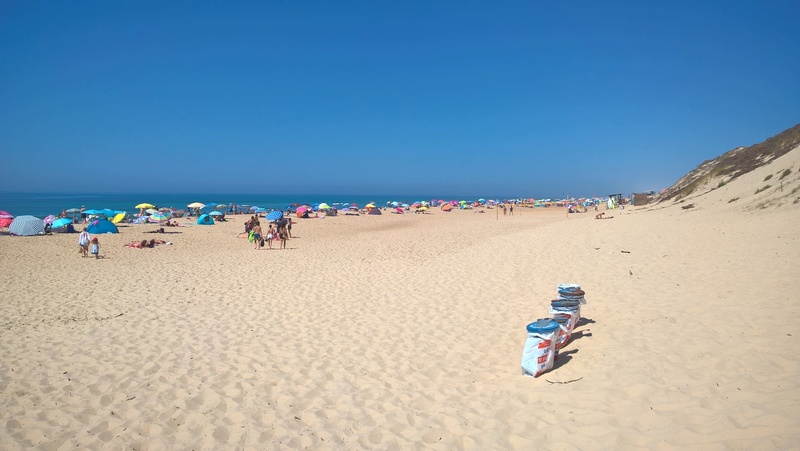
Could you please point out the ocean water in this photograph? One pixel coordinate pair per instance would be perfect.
(43, 204)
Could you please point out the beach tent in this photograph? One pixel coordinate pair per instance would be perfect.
(374, 211)
(205, 220)
(99, 226)
(26, 226)
(447, 207)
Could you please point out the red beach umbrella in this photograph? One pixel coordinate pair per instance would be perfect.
(6, 218)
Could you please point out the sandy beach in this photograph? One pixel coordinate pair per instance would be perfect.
(406, 331)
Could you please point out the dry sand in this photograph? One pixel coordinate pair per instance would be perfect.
(406, 331)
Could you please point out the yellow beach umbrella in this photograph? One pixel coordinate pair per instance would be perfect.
(145, 205)
(369, 205)
(119, 217)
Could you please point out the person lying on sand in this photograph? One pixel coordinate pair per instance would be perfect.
(144, 243)
(602, 216)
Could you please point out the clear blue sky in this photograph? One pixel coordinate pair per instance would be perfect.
(488, 98)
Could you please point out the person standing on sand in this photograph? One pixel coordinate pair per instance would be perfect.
(270, 236)
(289, 227)
(284, 236)
(257, 235)
(511, 210)
(95, 247)
(83, 242)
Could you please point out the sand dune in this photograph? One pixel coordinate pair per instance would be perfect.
(406, 331)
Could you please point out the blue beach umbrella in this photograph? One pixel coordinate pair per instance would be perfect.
(274, 215)
(61, 222)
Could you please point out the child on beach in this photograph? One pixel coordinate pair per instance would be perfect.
(95, 247)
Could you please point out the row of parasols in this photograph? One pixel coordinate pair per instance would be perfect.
(27, 225)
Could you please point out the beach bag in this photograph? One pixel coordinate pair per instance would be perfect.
(571, 292)
(568, 309)
(564, 334)
(261, 243)
(540, 347)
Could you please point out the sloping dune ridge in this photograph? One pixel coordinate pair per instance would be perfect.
(406, 331)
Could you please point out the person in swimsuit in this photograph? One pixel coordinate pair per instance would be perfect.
(270, 236)
(257, 235)
(284, 236)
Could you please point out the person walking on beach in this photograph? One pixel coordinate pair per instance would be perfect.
(283, 235)
(83, 242)
(511, 210)
(289, 227)
(95, 247)
(257, 235)
(270, 236)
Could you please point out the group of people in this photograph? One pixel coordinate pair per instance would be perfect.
(84, 241)
(281, 230)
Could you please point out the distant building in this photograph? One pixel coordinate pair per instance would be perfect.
(638, 199)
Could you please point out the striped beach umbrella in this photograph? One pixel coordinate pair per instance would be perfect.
(159, 216)
(274, 215)
(26, 226)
